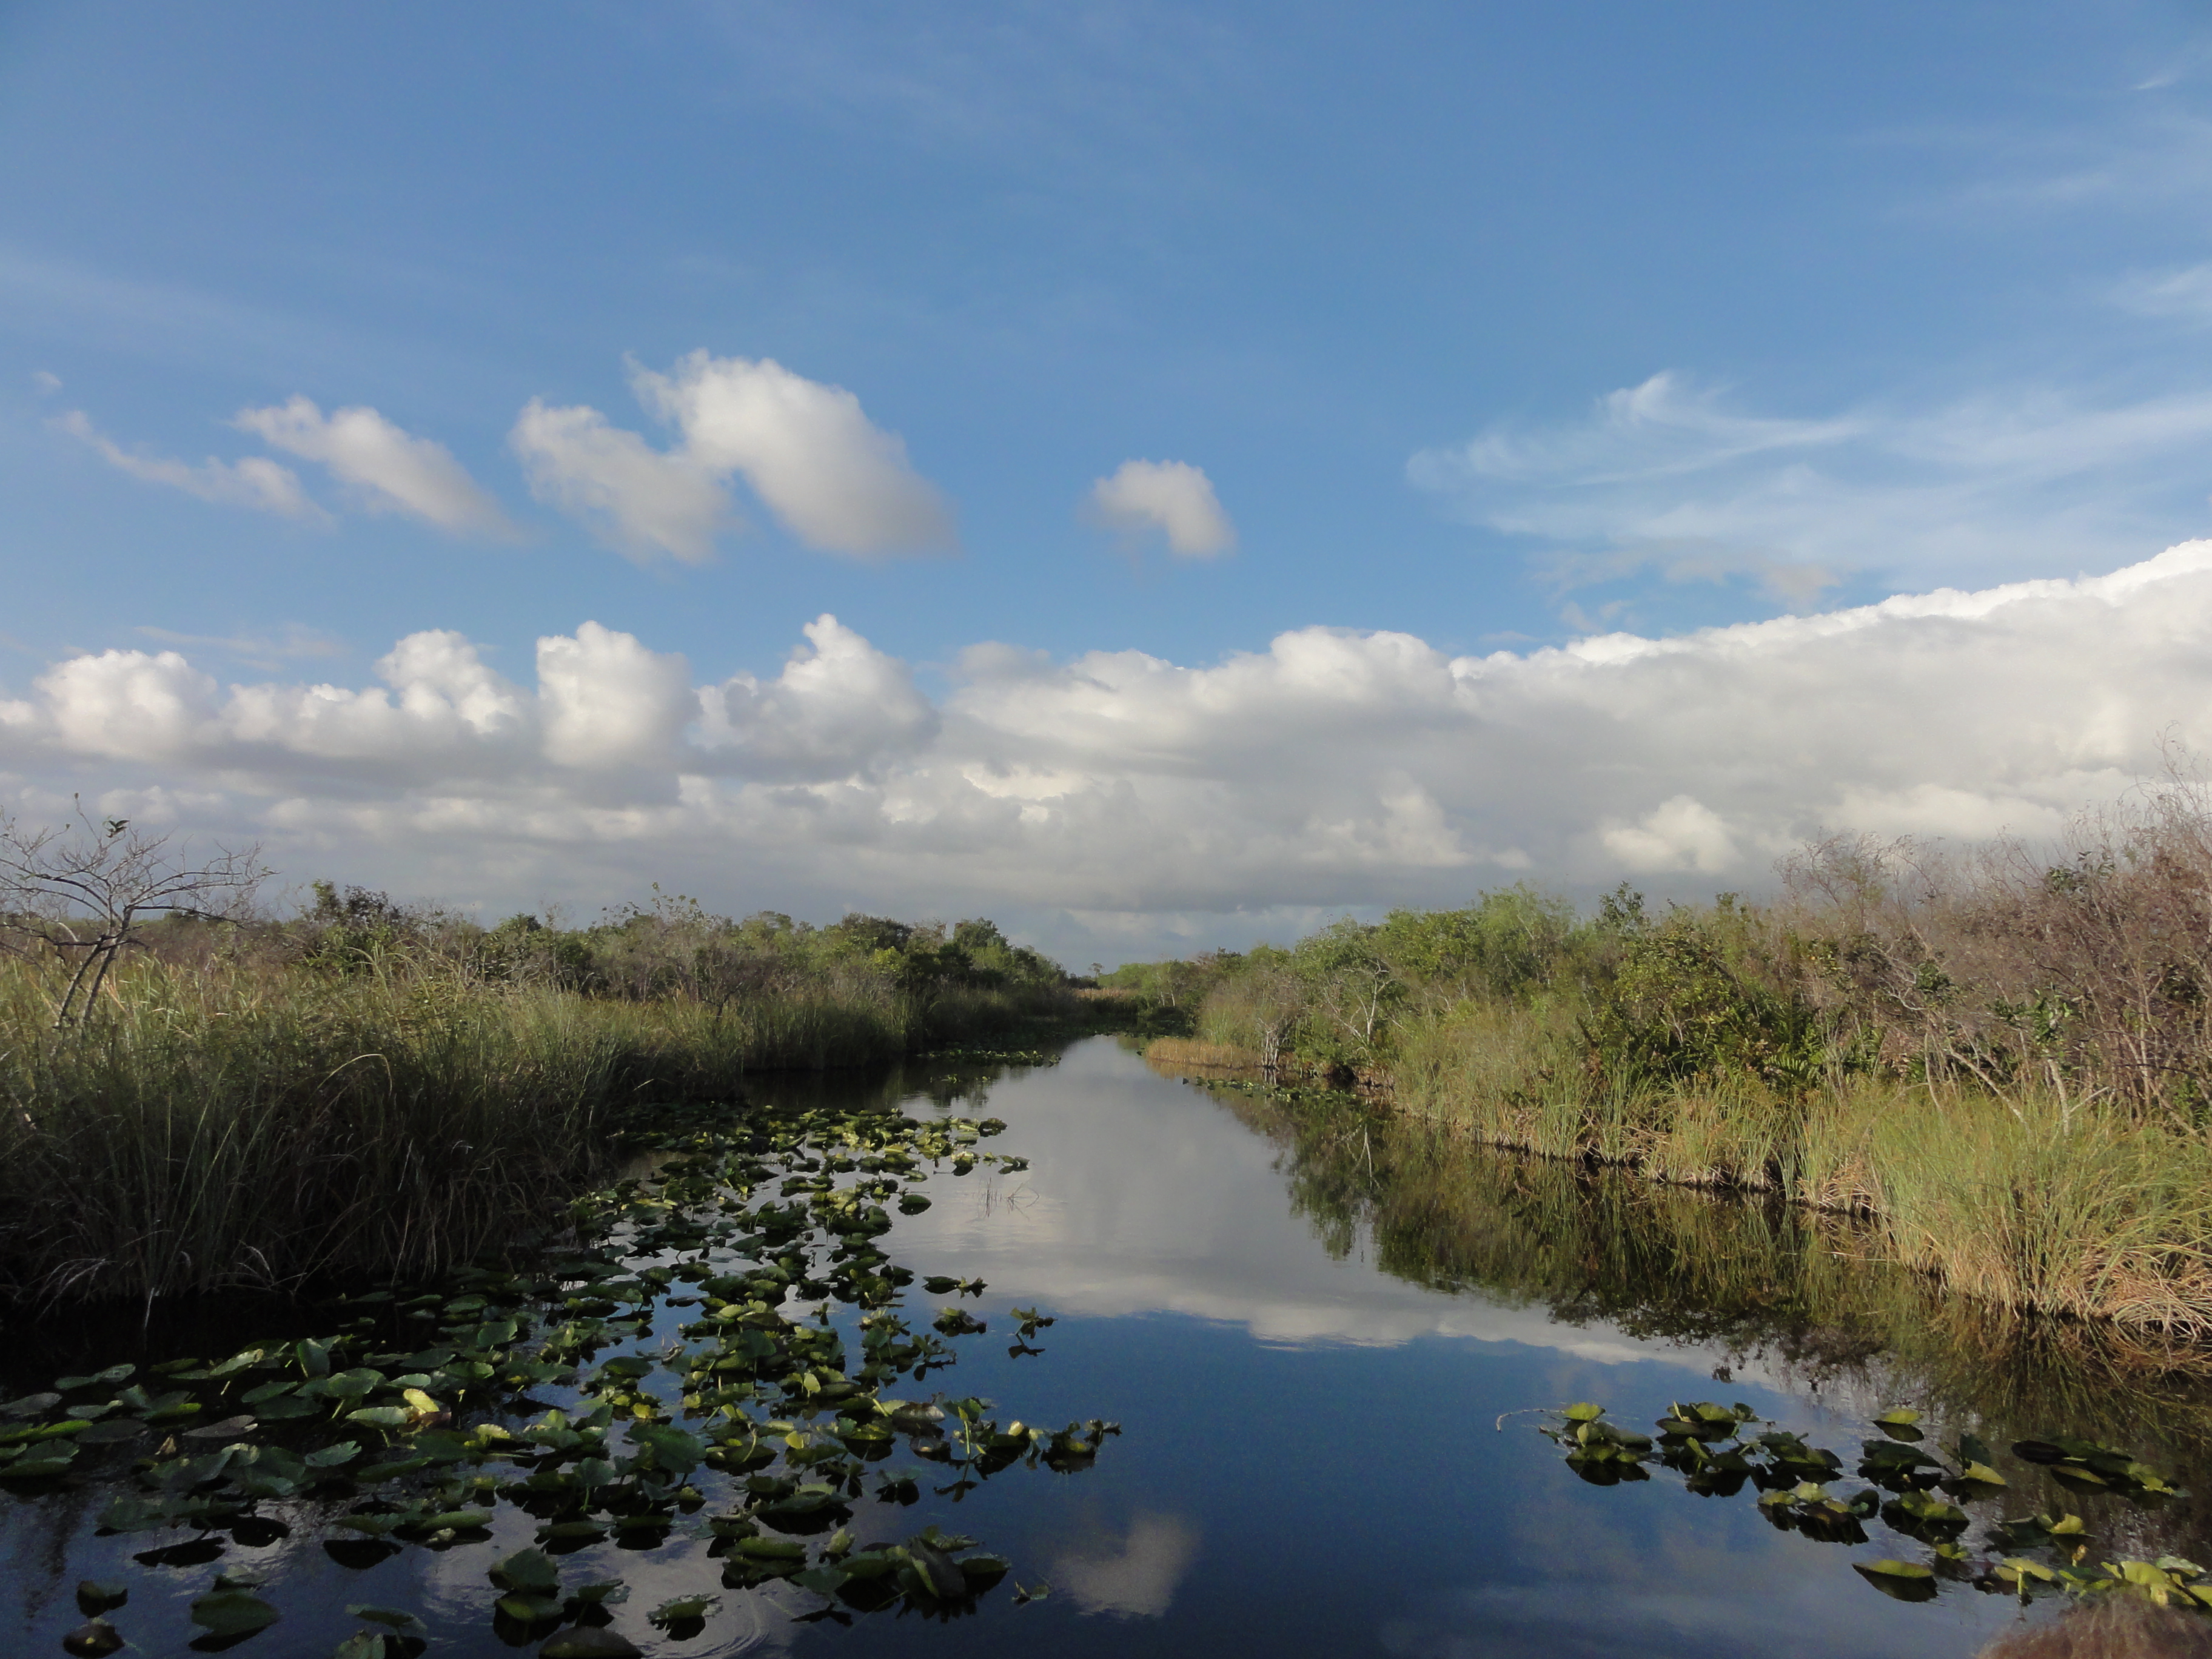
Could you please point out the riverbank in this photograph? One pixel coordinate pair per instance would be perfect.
(2034, 1203)
(2000, 1057)
(339, 1102)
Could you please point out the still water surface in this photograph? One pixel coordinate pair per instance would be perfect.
(1308, 1332)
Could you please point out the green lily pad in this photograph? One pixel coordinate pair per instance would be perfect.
(232, 1613)
(94, 1640)
(98, 1595)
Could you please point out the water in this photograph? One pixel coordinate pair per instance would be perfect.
(1309, 1325)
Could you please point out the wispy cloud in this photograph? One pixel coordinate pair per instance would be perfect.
(294, 642)
(386, 469)
(254, 482)
(1679, 478)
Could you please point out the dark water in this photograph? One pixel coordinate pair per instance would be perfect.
(1308, 1326)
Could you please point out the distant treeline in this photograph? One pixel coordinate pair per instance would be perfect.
(672, 946)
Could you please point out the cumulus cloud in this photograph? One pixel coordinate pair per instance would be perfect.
(839, 707)
(388, 470)
(1172, 497)
(1673, 477)
(608, 701)
(254, 482)
(635, 498)
(836, 479)
(1126, 803)
(1679, 834)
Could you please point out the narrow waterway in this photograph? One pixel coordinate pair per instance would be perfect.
(1308, 1326)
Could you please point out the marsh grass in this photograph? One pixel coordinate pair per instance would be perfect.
(1817, 1299)
(221, 1125)
(2035, 1202)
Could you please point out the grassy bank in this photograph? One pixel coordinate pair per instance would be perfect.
(368, 1089)
(2001, 1062)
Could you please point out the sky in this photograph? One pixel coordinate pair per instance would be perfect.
(1160, 477)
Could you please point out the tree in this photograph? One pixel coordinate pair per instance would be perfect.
(83, 890)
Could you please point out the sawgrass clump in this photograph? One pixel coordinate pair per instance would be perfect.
(370, 1089)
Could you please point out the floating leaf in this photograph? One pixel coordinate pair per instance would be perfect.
(589, 1642)
(1906, 1581)
(398, 1619)
(382, 1417)
(94, 1640)
(231, 1428)
(530, 1571)
(232, 1613)
(96, 1595)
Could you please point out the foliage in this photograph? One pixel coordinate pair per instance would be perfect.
(414, 1421)
(374, 1086)
(83, 893)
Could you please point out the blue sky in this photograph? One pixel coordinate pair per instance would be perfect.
(1499, 328)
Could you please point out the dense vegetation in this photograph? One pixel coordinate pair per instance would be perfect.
(376, 1087)
(2004, 1060)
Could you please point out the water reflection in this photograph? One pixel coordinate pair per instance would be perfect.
(1135, 1576)
(1308, 1320)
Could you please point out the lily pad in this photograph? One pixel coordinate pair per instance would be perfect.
(232, 1613)
(1905, 1580)
(98, 1595)
(94, 1640)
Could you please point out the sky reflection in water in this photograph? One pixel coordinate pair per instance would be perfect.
(1309, 1464)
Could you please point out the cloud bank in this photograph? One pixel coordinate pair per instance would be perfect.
(1125, 803)
(1172, 497)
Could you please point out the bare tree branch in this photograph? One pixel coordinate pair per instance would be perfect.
(82, 890)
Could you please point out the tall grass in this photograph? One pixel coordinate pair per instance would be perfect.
(1818, 1296)
(225, 1124)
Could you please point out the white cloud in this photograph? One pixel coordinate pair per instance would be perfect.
(837, 708)
(1134, 1577)
(254, 482)
(45, 379)
(1679, 834)
(609, 701)
(1124, 803)
(389, 470)
(1667, 476)
(634, 497)
(1172, 497)
(836, 480)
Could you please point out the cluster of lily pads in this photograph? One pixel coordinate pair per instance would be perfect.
(1284, 1093)
(1720, 1450)
(1026, 1057)
(757, 1428)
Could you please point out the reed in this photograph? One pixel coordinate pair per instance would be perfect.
(227, 1124)
(2034, 1201)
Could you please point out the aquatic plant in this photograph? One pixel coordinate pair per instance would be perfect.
(542, 1386)
(1721, 1450)
(252, 1120)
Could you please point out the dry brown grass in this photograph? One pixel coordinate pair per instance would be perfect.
(1197, 1055)
(2112, 1628)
